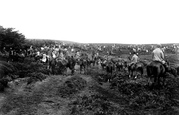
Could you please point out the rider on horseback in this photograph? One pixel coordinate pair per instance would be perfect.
(158, 54)
(158, 67)
(134, 58)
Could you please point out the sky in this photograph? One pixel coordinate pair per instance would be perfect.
(94, 21)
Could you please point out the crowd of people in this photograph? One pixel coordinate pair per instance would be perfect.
(45, 52)
(86, 55)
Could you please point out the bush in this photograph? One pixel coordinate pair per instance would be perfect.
(6, 68)
(98, 75)
(71, 86)
(95, 104)
(36, 76)
(144, 97)
(26, 68)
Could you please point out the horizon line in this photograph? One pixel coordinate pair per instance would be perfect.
(98, 42)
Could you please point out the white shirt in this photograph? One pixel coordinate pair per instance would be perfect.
(53, 54)
(134, 59)
(44, 59)
(158, 55)
(38, 53)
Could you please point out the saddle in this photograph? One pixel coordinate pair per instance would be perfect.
(165, 64)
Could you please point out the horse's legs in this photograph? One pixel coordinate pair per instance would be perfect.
(159, 78)
(129, 73)
(139, 72)
(85, 69)
(53, 70)
(163, 80)
(80, 68)
(142, 72)
(135, 72)
(132, 74)
(155, 79)
(111, 75)
(66, 71)
(72, 71)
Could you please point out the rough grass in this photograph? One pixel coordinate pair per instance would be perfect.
(71, 86)
(79, 95)
(141, 97)
(43, 92)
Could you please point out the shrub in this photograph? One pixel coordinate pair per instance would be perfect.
(36, 76)
(71, 86)
(95, 104)
(6, 68)
(26, 68)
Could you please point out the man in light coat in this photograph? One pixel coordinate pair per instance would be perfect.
(157, 54)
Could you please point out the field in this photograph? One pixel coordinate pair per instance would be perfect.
(90, 94)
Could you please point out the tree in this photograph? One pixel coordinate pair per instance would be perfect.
(11, 38)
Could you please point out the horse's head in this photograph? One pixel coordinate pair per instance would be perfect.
(143, 63)
(167, 65)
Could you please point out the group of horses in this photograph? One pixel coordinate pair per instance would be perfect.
(60, 65)
(155, 70)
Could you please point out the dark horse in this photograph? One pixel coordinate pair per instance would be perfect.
(110, 67)
(157, 70)
(62, 65)
(136, 69)
(71, 64)
(119, 66)
(83, 63)
(52, 65)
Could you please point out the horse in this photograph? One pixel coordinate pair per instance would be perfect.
(52, 65)
(119, 66)
(136, 69)
(93, 61)
(103, 64)
(38, 58)
(71, 64)
(173, 71)
(110, 66)
(21, 57)
(61, 65)
(83, 65)
(157, 70)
